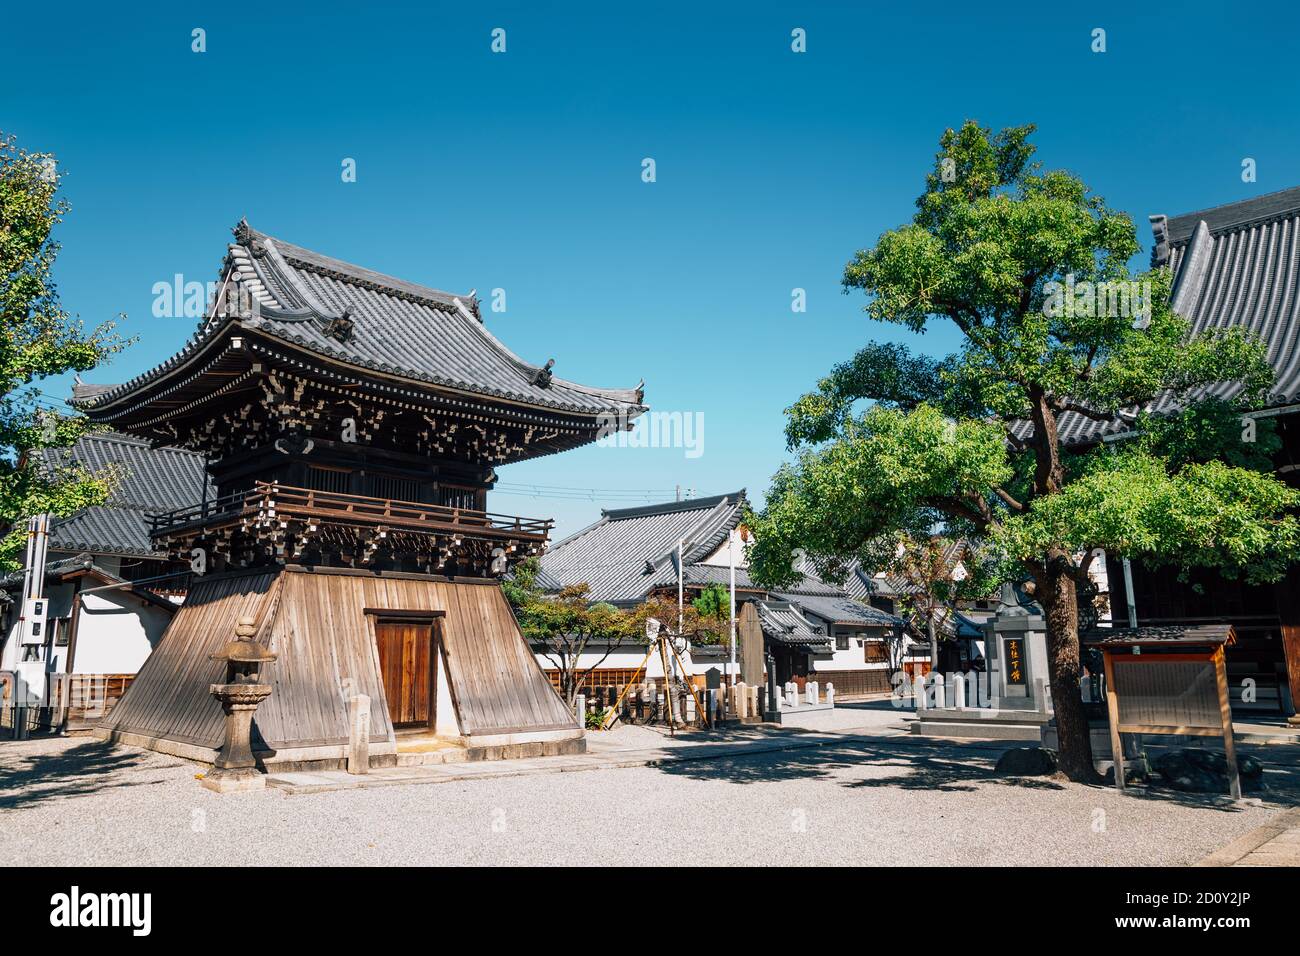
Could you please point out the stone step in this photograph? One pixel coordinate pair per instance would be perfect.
(428, 758)
(977, 729)
(983, 715)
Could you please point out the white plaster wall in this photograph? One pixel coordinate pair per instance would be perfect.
(116, 633)
(720, 559)
(31, 675)
(1100, 577)
(632, 657)
(629, 657)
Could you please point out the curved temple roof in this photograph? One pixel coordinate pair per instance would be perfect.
(1234, 266)
(372, 321)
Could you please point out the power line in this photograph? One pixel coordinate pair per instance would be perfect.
(545, 487)
(566, 493)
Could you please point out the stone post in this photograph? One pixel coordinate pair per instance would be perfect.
(958, 692)
(830, 695)
(359, 734)
(773, 702)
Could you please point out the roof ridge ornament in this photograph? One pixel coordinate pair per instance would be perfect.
(340, 326)
(543, 376)
(1160, 231)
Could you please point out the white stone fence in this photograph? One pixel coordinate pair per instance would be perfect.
(646, 703)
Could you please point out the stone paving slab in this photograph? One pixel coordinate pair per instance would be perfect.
(1276, 843)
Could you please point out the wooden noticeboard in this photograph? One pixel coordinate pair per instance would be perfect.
(1179, 689)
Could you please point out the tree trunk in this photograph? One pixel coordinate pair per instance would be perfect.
(1056, 594)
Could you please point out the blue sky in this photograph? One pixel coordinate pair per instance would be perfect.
(522, 170)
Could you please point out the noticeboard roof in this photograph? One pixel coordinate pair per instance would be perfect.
(1168, 635)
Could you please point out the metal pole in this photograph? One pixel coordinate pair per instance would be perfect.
(1128, 594)
(934, 641)
(731, 558)
(680, 572)
(771, 687)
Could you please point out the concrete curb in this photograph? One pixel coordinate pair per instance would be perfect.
(1241, 847)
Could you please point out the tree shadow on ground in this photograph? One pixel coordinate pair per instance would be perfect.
(27, 779)
(928, 764)
(920, 765)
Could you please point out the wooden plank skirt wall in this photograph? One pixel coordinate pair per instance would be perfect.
(850, 683)
(317, 624)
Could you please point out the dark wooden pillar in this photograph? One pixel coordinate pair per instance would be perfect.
(1288, 611)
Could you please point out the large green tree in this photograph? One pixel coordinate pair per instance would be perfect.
(37, 339)
(1024, 264)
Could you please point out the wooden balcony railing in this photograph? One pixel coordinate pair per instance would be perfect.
(271, 500)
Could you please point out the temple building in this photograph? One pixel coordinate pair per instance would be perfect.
(351, 425)
(1232, 266)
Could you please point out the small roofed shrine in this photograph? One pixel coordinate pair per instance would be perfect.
(352, 424)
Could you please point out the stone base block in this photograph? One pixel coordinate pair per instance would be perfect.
(233, 781)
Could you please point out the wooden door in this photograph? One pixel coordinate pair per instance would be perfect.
(407, 656)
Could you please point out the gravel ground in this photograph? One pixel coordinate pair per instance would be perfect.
(876, 717)
(888, 800)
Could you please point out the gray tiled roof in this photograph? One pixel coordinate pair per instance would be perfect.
(54, 570)
(782, 622)
(842, 610)
(1234, 266)
(863, 584)
(400, 328)
(1167, 634)
(150, 480)
(630, 551)
(705, 574)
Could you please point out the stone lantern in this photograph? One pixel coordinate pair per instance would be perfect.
(235, 768)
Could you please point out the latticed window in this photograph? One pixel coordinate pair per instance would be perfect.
(458, 496)
(875, 652)
(327, 479)
(393, 487)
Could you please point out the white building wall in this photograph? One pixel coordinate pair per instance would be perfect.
(719, 558)
(116, 633)
(631, 658)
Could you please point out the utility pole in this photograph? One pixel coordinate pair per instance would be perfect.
(680, 595)
(731, 561)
